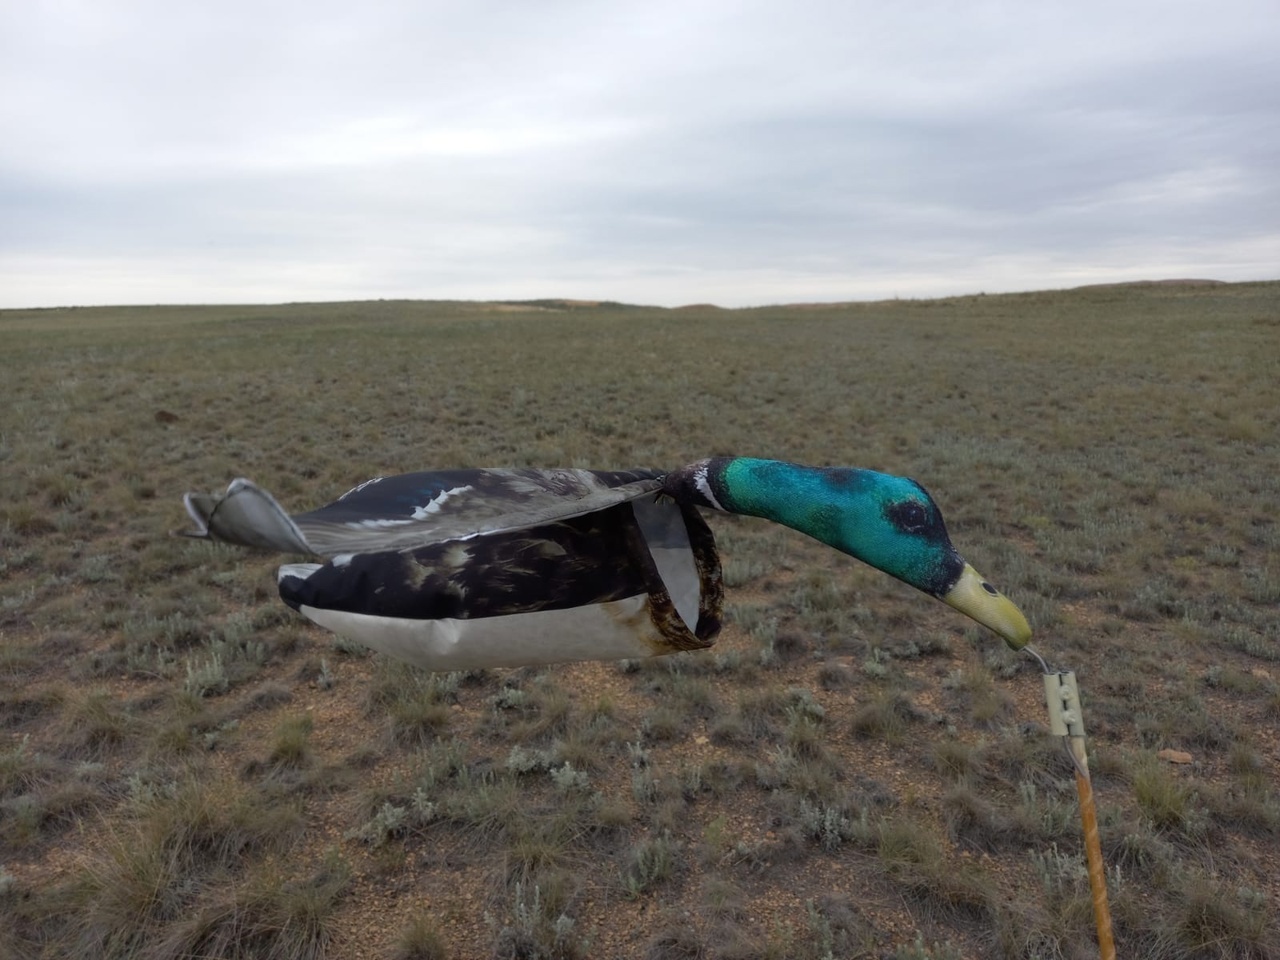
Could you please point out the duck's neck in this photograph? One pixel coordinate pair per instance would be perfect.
(818, 501)
(859, 512)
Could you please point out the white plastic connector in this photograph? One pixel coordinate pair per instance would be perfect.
(1063, 698)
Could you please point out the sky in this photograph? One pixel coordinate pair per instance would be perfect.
(666, 153)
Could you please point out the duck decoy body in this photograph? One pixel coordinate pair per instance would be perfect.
(461, 569)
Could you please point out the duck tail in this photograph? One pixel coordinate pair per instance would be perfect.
(246, 515)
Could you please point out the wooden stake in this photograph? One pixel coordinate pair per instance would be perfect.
(1093, 851)
(1066, 720)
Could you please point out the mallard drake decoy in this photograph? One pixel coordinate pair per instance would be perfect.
(460, 569)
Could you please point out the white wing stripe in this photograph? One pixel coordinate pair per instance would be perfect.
(422, 513)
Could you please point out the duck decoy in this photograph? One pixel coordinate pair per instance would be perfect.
(462, 569)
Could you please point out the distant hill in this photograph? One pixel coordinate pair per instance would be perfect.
(1154, 283)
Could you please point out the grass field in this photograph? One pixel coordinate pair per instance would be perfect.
(188, 769)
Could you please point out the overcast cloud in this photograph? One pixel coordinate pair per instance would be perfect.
(657, 152)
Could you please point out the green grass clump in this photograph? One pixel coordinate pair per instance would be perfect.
(162, 877)
(652, 861)
(292, 747)
(887, 716)
(420, 940)
(1166, 801)
(416, 705)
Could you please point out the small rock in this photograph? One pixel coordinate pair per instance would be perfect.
(1174, 756)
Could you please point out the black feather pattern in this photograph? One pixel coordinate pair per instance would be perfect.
(589, 559)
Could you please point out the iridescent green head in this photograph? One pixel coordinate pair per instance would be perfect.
(889, 522)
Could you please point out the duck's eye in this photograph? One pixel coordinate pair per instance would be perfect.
(910, 517)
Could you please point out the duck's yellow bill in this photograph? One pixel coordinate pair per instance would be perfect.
(975, 597)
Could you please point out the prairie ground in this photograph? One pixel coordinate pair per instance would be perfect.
(188, 769)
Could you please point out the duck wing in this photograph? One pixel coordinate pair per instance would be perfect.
(413, 509)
